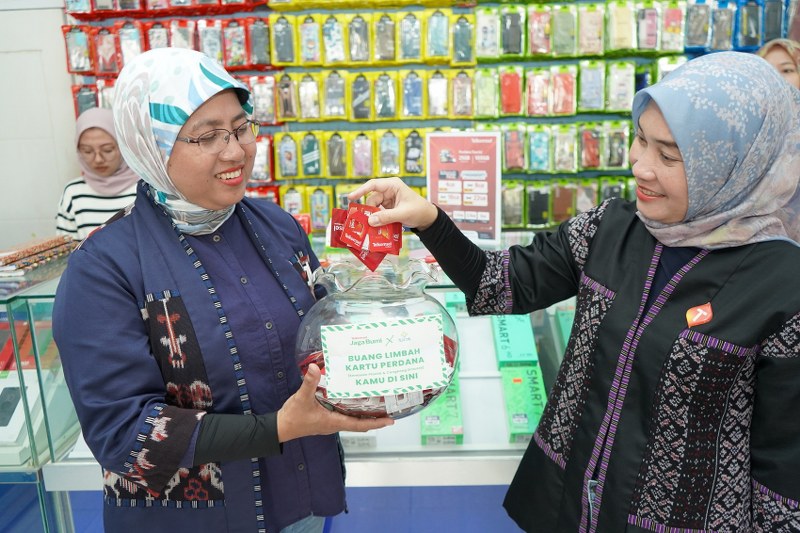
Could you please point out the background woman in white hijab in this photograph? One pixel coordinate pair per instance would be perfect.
(675, 407)
(106, 184)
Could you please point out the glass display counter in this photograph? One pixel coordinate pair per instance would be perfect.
(37, 421)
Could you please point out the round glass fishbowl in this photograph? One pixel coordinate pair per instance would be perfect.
(384, 346)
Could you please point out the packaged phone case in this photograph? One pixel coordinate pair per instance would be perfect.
(487, 33)
(333, 96)
(463, 39)
(293, 199)
(388, 153)
(461, 96)
(749, 34)
(538, 200)
(620, 26)
(258, 39)
(672, 37)
(385, 31)
(335, 154)
(513, 136)
(360, 97)
(310, 32)
(486, 93)
(611, 188)
(512, 207)
(287, 98)
(412, 91)
(591, 86)
(511, 82)
(722, 20)
(287, 156)
(512, 31)
(320, 203)
(308, 94)
(617, 142)
(131, 39)
(182, 33)
(620, 86)
(358, 38)
(156, 35)
(564, 89)
(363, 156)
(565, 148)
(437, 95)
(106, 51)
(591, 26)
(105, 92)
(311, 155)
(590, 135)
(79, 57)
(262, 166)
(333, 40)
(437, 36)
(774, 17)
(385, 98)
(563, 200)
(413, 153)
(234, 39)
(564, 31)
(537, 92)
(665, 65)
(539, 153)
(84, 97)
(410, 37)
(587, 192)
(282, 28)
(263, 88)
(539, 27)
(698, 25)
(209, 34)
(647, 26)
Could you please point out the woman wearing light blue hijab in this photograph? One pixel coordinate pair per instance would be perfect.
(675, 407)
(176, 325)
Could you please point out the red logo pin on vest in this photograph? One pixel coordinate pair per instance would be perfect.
(701, 314)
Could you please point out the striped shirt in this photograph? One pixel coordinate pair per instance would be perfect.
(82, 209)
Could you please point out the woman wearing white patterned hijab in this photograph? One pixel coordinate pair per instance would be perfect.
(149, 113)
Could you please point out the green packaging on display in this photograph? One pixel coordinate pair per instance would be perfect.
(513, 340)
(525, 398)
(441, 422)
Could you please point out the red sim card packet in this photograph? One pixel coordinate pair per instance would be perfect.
(350, 229)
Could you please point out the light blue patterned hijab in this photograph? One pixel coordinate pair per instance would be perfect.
(737, 125)
(154, 96)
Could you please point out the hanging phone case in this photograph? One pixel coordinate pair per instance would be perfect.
(320, 206)
(264, 100)
(414, 153)
(410, 38)
(511, 33)
(310, 46)
(384, 39)
(284, 40)
(336, 150)
(287, 156)
(437, 95)
(259, 43)
(539, 151)
(130, 42)
(462, 95)
(333, 40)
(235, 49)
(78, 55)
(412, 95)
(514, 150)
(308, 92)
(362, 156)
(438, 35)
(359, 39)
(385, 97)
(106, 48)
(334, 95)
(462, 41)
(389, 154)
(360, 97)
(310, 155)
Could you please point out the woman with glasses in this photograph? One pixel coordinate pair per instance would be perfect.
(106, 184)
(181, 360)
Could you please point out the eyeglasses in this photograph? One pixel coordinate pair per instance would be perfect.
(215, 141)
(104, 153)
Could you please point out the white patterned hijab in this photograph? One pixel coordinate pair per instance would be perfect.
(155, 94)
(737, 125)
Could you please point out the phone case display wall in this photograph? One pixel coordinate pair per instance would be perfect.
(347, 91)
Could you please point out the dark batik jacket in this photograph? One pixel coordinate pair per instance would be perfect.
(150, 342)
(678, 415)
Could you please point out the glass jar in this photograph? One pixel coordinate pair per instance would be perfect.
(384, 346)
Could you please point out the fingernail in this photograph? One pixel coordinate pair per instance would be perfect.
(373, 219)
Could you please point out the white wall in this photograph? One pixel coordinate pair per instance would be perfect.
(37, 120)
